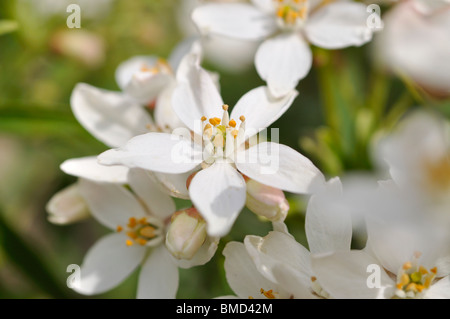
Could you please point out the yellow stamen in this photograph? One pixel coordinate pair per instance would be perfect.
(407, 265)
(203, 118)
(132, 235)
(404, 280)
(141, 241)
(234, 133)
(434, 270)
(420, 288)
(119, 228)
(132, 222)
(215, 121)
(411, 287)
(399, 286)
(423, 270)
(148, 232)
(242, 118)
(313, 279)
(232, 123)
(225, 107)
(268, 294)
(218, 140)
(129, 242)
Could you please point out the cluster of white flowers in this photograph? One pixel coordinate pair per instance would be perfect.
(172, 135)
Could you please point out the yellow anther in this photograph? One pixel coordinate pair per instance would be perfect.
(280, 12)
(129, 242)
(203, 118)
(119, 229)
(148, 232)
(423, 270)
(420, 288)
(313, 279)
(268, 294)
(242, 118)
(132, 235)
(428, 281)
(234, 133)
(143, 221)
(141, 241)
(215, 121)
(434, 270)
(132, 222)
(411, 287)
(232, 123)
(225, 107)
(250, 297)
(407, 265)
(399, 286)
(404, 280)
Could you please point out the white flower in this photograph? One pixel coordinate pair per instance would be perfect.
(417, 155)
(277, 266)
(402, 260)
(231, 55)
(415, 43)
(139, 220)
(217, 144)
(284, 58)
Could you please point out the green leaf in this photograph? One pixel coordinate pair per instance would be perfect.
(7, 26)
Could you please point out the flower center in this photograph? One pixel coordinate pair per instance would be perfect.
(438, 173)
(143, 231)
(221, 137)
(161, 66)
(269, 294)
(291, 14)
(413, 280)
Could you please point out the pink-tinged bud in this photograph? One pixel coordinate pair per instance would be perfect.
(67, 206)
(266, 201)
(186, 233)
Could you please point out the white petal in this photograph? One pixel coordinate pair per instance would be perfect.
(401, 45)
(241, 273)
(339, 25)
(289, 279)
(261, 109)
(196, 97)
(236, 20)
(126, 70)
(159, 276)
(218, 193)
(202, 256)
(173, 184)
(188, 46)
(165, 117)
(328, 225)
(281, 167)
(112, 205)
(283, 61)
(266, 253)
(346, 275)
(111, 117)
(108, 263)
(161, 152)
(145, 86)
(440, 289)
(158, 203)
(67, 206)
(265, 5)
(89, 168)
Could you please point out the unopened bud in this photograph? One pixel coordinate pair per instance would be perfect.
(266, 201)
(67, 206)
(186, 234)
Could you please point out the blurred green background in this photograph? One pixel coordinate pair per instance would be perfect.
(343, 102)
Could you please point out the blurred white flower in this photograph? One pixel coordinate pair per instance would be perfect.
(217, 145)
(415, 43)
(417, 155)
(402, 260)
(231, 55)
(139, 219)
(276, 266)
(287, 27)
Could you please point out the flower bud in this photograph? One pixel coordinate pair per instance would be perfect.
(266, 201)
(186, 233)
(67, 206)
